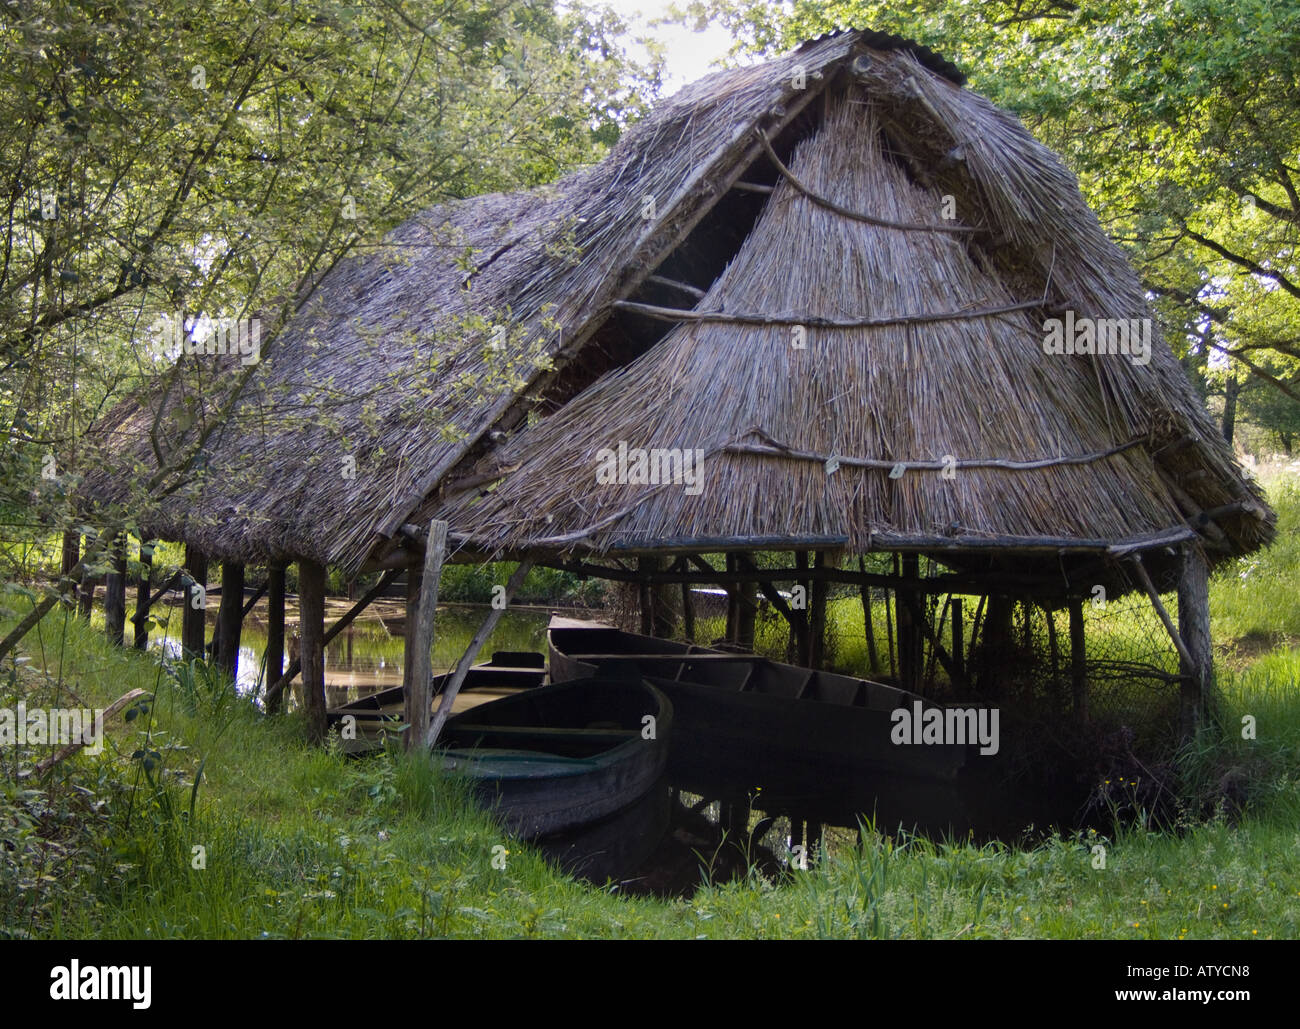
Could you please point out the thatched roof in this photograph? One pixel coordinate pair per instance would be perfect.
(477, 363)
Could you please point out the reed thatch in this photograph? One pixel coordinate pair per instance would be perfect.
(477, 361)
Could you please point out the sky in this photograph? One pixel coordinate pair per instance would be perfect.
(689, 54)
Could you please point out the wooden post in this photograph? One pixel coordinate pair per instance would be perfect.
(688, 613)
(908, 633)
(275, 634)
(1194, 628)
(454, 681)
(746, 608)
(311, 629)
(86, 591)
(194, 619)
(868, 626)
(958, 638)
(115, 595)
(995, 646)
(803, 637)
(230, 617)
(732, 630)
(412, 614)
(1078, 662)
(142, 599)
(71, 552)
(817, 615)
(419, 695)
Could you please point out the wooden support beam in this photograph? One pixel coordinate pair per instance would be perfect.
(419, 692)
(817, 598)
(142, 598)
(1078, 662)
(194, 616)
(1197, 650)
(868, 624)
(921, 625)
(958, 638)
(457, 678)
(115, 594)
(71, 550)
(311, 631)
(274, 635)
(684, 287)
(230, 619)
(296, 666)
(688, 612)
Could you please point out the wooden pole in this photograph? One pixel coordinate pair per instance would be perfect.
(419, 691)
(194, 618)
(86, 591)
(1197, 666)
(71, 551)
(311, 629)
(295, 666)
(746, 609)
(732, 631)
(817, 615)
(275, 634)
(230, 617)
(452, 687)
(115, 595)
(142, 598)
(958, 639)
(688, 613)
(868, 626)
(1078, 662)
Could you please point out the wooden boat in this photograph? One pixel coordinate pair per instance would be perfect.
(376, 714)
(755, 716)
(551, 759)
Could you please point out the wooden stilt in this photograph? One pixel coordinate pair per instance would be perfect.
(71, 552)
(419, 691)
(311, 629)
(1197, 666)
(194, 618)
(817, 615)
(230, 616)
(457, 677)
(142, 598)
(958, 639)
(274, 633)
(868, 626)
(115, 595)
(86, 589)
(688, 613)
(1078, 662)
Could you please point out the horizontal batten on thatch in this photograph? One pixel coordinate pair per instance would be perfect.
(672, 314)
(775, 448)
(869, 219)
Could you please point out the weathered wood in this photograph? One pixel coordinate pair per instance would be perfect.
(684, 287)
(868, 625)
(230, 617)
(194, 616)
(274, 634)
(674, 314)
(958, 638)
(67, 751)
(71, 550)
(746, 610)
(645, 596)
(1197, 649)
(115, 595)
(311, 631)
(1185, 655)
(457, 678)
(143, 600)
(817, 614)
(1078, 662)
(688, 613)
(296, 666)
(419, 693)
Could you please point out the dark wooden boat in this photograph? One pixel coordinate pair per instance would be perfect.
(551, 759)
(375, 715)
(755, 716)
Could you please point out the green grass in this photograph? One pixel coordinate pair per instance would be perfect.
(298, 842)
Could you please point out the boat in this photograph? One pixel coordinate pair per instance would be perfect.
(748, 715)
(552, 759)
(377, 714)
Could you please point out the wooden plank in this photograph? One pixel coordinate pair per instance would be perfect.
(457, 678)
(419, 690)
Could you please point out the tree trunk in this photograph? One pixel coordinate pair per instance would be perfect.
(115, 595)
(142, 596)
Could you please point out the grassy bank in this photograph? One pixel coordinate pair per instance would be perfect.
(295, 842)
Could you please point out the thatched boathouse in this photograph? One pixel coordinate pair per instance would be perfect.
(841, 303)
